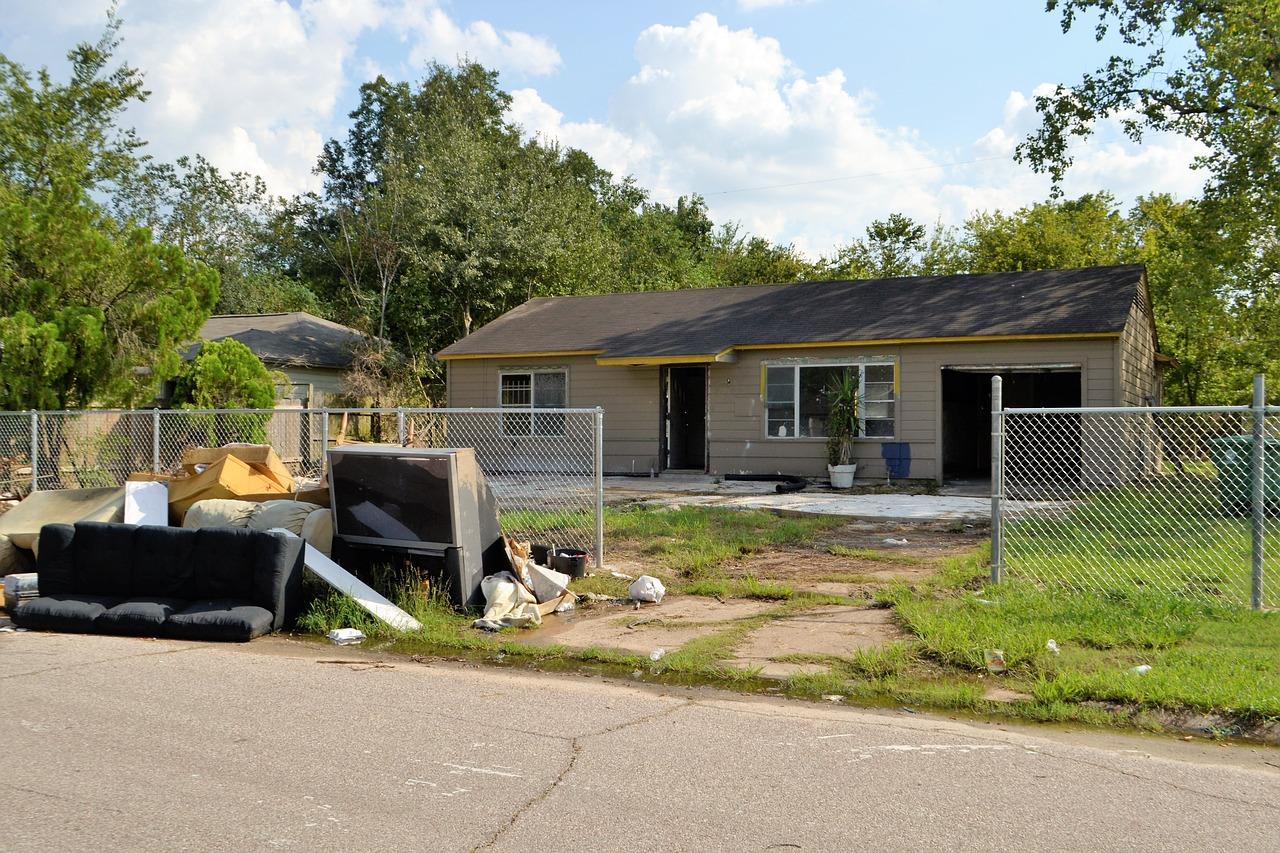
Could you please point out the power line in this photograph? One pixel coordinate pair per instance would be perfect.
(857, 177)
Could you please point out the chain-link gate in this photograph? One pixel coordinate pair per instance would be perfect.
(1182, 501)
(543, 465)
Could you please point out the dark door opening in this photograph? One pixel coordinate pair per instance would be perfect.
(966, 413)
(685, 416)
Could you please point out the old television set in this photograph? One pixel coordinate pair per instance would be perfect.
(433, 503)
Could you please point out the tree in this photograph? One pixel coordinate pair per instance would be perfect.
(897, 246)
(735, 259)
(226, 222)
(1084, 232)
(1222, 91)
(225, 374)
(91, 309)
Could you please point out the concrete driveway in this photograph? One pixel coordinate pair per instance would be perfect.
(123, 744)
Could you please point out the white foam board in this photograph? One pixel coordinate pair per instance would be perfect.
(146, 503)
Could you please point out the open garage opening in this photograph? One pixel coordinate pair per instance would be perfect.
(966, 409)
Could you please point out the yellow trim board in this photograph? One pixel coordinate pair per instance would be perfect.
(665, 359)
(546, 354)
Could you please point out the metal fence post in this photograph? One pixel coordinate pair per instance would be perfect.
(155, 441)
(400, 433)
(324, 441)
(997, 478)
(1259, 471)
(599, 478)
(35, 451)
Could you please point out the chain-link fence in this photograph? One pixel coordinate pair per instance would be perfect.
(1161, 499)
(543, 465)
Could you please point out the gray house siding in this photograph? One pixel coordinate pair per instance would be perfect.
(737, 440)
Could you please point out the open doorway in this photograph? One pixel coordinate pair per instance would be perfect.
(966, 410)
(685, 418)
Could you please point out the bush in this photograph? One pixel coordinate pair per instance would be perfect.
(226, 375)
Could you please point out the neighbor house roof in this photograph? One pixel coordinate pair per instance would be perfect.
(710, 323)
(295, 338)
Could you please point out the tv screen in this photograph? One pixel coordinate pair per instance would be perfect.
(400, 498)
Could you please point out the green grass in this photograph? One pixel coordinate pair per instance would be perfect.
(696, 542)
(874, 556)
(1169, 535)
(1205, 654)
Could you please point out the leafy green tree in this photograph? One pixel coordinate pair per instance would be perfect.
(897, 246)
(224, 221)
(91, 309)
(225, 374)
(1083, 232)
(735, 258)
(1203, 69)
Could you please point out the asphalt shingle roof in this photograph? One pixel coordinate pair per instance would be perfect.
(294, 338)
(704, 322)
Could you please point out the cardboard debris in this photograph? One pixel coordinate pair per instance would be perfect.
(260, 457)
(227, 477)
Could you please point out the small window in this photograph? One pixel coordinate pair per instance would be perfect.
(530, 392)
(796, 398)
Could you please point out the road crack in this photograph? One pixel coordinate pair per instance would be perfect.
(576, 746)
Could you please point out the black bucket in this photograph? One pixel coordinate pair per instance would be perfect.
(571, 561)
(540, 554)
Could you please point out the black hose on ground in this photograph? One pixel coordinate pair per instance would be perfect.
(786, 482)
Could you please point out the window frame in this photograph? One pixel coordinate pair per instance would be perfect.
(531, 408)
(861, 364)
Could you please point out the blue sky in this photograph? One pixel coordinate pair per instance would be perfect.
(772, 97)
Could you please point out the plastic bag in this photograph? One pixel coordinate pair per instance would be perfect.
(647, 588)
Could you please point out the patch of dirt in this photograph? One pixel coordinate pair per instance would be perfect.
(811, 565)
(995, 693)
(833, 630)
(668, 625)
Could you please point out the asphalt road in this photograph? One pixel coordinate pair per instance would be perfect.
(123, 744)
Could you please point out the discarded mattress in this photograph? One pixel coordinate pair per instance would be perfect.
(313, 523)
(20, 526)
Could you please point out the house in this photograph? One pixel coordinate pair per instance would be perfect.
(732, 379)
(312, 352)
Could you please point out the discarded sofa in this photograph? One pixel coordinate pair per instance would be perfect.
(313, 523)
(211, 584)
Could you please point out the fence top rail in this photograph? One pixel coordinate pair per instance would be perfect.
(1138, 410)
(287, 410)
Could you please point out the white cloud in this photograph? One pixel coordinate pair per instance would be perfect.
(712, 109)
(753, 5)
(438, 38)
(256, 85)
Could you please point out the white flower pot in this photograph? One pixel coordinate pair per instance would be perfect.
(842, 475)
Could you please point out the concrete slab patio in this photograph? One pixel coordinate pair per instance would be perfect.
(831, 630)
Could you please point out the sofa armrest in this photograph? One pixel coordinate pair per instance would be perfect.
(277, 577)
(56, 567)
(317, 530)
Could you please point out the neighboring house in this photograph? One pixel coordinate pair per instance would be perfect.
(312, 352)
(732, 379)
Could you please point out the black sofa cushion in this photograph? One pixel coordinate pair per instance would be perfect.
(236, 620)
(57, 565)
(163, 564)
(224, 560)
(63, 612)
(138, 616)
(104, 558)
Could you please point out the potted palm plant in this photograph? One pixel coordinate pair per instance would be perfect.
(842, 429)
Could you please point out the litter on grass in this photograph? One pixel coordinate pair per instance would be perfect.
(657, 654)
(1141, 669)
(1052, 646)
(994, 659)
(346, 636)
(647, 588)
